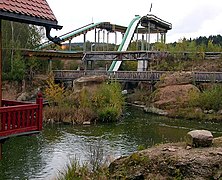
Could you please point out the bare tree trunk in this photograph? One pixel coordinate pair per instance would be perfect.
(12, 50)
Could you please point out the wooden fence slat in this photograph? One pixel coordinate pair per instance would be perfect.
(32, 118)
(23, 119)
(9, 121)
(27, 118)
(13, 120)
(19, 119)
(3, 121)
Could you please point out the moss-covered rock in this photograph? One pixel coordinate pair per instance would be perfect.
(169, 161)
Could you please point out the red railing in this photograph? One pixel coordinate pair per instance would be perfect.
(20, 117)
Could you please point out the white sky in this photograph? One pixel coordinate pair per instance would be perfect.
(189, 18)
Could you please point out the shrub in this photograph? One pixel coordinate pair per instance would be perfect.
(208, 99)
(108, 101)
(105, 103)
(54, 92)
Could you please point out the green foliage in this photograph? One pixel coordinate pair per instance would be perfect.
(129, 66)
(208, 99)
(84, 99)
(73, 65)
(18, 71)
(75, 171)
(142, 95)
(104, 104)
(140, 148)
(160, 46)
(54, 92)
(57, 65)
(15, 36)
(108, 101)
(108, 114)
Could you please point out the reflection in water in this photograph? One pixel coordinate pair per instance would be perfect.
(44, 155)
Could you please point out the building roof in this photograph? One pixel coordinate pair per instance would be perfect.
(35, 12)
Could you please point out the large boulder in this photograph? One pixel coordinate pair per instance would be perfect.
(88, 81)
(169, 97)
(176, 78)
(173, 90)
(199, 138)
(169, 161)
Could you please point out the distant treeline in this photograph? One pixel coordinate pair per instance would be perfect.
(215, 40)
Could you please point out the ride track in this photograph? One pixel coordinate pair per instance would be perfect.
(149, 23)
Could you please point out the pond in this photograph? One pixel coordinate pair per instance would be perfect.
(43, 156)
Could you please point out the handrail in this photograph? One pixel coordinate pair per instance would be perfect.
(20, 117)
(135, 75)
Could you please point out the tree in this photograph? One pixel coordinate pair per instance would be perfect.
(18, 36)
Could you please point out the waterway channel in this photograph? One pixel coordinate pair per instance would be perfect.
(43, 156)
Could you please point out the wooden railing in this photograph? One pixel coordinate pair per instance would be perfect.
(20, 117)
(136, 75)
(207, 77)
(65, 75)
(150, 76)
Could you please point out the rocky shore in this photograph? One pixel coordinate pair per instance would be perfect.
(171, 161)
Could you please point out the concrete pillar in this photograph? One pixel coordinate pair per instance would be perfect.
(84, 41)
(95, 40)
(107, 38)
(103, 40)
(70, 45)
(142, 43)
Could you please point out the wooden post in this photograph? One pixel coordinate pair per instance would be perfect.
(0, 151)
(0, 81)
(1, 62)
(39, 101)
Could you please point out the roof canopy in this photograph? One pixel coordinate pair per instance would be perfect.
(35, 12)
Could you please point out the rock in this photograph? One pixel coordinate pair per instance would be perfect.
(219, 112)
(217, 141)
(155, 111)
(86, 123)
(169, 161)
(23, 97)
(188, 147)
(173, 96)
(124, 92)
(198, 110)
(199, 138)
(177, 78)
(88, 81)
(211, 111)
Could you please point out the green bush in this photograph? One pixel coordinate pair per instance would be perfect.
(108, 101)
(107, 114)
(208, 99)
(105, 103)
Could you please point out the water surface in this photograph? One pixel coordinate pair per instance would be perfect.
(43, 156)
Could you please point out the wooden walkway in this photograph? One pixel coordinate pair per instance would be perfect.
(149, 76)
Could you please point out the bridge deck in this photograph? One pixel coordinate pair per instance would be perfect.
(150, 76)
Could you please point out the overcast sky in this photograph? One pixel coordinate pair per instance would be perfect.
(189, 18)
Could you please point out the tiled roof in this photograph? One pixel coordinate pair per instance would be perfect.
(36, 9)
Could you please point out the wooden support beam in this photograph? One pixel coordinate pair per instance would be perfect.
(0, 151)
(0, 81)
(0, 64)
